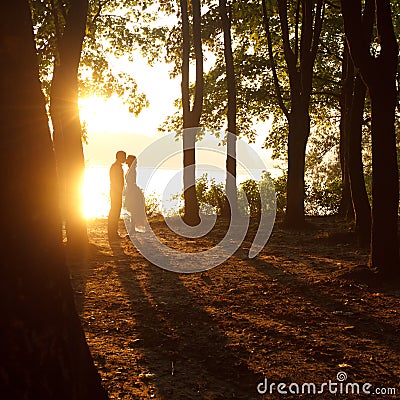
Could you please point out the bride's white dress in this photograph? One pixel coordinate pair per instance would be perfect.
(134, 202)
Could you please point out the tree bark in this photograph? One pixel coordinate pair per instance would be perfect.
(346, 204)
(352, 116)
(299, 130)
(362, 208)
(67, 130)
(379, 74)
(191, 117)
(230, 209)
(385, 179)
(44, 354)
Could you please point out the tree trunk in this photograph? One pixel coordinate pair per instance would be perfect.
(191, 211)
(300, 53)
(346, 210)
(362, 208)
(346, 205)
(230, 209)
(385, 178)
(299, 129)
(354, 118)
(67, 129)
(44, 354)
(379, 74)
(191, 117)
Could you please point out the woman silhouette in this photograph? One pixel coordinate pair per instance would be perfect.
(134, 199)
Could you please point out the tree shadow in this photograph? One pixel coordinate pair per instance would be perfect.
(80, 269)
(368, 327)
(184, 348)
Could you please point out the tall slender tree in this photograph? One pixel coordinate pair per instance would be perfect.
(346, 209)
(352, 120)
(231, 111)
(362, 208)
(67, 130)
(300, 52)
(191, 115)
(353, 102)
(44, 354)
(378, 67)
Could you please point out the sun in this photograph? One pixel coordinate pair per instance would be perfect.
(105, 115)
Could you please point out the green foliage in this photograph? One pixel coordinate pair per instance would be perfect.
(210, 195)
(323, 198)
(110, 33)
(153, 205)
(322, 194)
(251, 194)
(256, 97)
(250, 190)
(260, 196)
(280, 184)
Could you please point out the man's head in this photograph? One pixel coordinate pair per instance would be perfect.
(120, 156)
(130, 159)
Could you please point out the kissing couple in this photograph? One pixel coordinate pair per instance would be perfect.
(126, 187)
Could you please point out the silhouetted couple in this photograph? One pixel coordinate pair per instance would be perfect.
(134, 199)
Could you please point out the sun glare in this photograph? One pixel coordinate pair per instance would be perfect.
(95, 193)
(105, 115)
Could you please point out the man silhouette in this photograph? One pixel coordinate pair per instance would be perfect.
(116, 188)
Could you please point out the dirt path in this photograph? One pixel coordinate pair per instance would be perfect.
(288, 315)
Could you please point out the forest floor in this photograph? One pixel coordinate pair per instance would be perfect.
(305, 309)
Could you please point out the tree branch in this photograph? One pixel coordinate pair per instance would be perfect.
(355, 32)
(56, 20)
(198, 51)
(289, 55)
(296, 34)
(100, 9)
(272, 60)
(325, 93)
(389, 46)
(319, 17)
(185, 57)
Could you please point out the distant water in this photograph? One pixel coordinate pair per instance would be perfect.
(162, 183)
(96, 187)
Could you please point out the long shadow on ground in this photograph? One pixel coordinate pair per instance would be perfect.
(184, 348)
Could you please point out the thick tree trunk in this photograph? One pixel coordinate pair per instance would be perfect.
(44, 354)
(191, 211)
(191, 118)
(359, 194)
(299, 129)
(346, 205)
(379, 74)
(66, 123)
(231, 208)
(385, 179)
